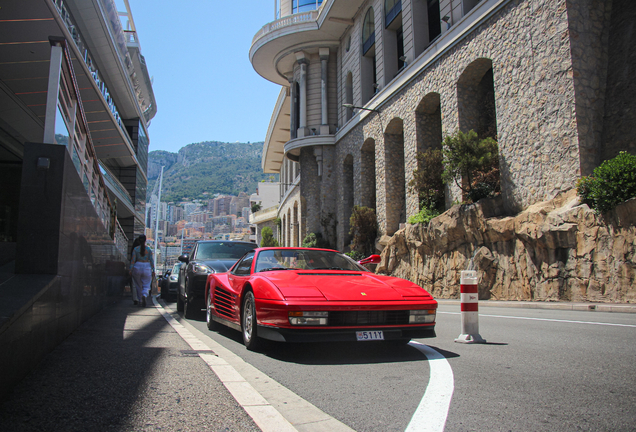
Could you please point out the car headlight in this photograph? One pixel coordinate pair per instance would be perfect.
(202, 269)
(423, 316)
(308, 318)
(174, 278)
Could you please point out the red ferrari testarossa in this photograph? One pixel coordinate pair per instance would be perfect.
(315, 295)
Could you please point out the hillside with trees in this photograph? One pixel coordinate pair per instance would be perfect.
(202, 169)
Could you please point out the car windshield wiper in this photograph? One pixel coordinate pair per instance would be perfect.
(273, 268)
(328, 268)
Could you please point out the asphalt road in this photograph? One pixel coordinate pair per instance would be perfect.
(541, 370)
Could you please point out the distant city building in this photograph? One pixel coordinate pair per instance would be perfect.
(221, 205)
(189, 208)
(188, 245)
(267, 194)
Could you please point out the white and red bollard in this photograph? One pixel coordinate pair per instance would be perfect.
(470, 308)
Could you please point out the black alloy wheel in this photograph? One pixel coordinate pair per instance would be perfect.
(189, 311)
(248, 322)
(179, 302)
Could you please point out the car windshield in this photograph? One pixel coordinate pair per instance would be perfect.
(176, 267)
(222, 250)
(303, 259)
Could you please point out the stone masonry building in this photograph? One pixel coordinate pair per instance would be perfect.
(366, 85)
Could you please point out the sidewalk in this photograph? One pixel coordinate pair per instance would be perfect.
(593, 307)
(125, 369)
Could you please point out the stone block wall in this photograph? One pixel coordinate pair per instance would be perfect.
(527, 47)
(558, 250)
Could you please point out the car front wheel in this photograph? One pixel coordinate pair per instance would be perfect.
(248, 322)
(179, 302)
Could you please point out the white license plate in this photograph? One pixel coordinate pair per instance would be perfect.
(370, 335)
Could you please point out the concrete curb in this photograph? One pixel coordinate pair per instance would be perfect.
(591, 307)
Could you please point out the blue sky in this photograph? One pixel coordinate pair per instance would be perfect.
(197, 52)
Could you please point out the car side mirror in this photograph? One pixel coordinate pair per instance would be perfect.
(185, 258)
(372, 259)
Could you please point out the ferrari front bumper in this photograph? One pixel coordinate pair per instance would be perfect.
(341, 335)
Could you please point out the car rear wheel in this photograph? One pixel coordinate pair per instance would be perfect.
(248, 322)
(208, 315)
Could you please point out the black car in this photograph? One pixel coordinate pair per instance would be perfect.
(207, 257)
(162, 282)
(170, 289)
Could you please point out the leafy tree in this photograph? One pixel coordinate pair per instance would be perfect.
(315, 240)
(364, 229)
(267, 238)
(472, 163)
(256, 207)
(612, 183)
(427, 179)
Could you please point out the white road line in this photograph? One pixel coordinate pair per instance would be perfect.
(262, 412)
(546, 319)
(431, 414)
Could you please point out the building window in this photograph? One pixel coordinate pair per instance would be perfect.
(434, 20)
(299, 6)
(368, 31)
(392, 8)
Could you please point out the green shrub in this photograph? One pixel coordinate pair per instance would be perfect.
(612, 183)
(424, 216)
(315, 240)
(267, 238)
(355, 255)
(427, 179)
(364, 229)
(473, 164)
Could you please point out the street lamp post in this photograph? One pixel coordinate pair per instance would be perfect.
(362, 108)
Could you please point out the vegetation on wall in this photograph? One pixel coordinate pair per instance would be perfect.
(255, 207)
(267, 238)
(473, 164)
(364, 229)
(612, 183)
(315, 240)
(427, 179)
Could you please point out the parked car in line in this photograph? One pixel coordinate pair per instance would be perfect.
(207, 257)
(307, 295)
(162, 283)
(172, 284)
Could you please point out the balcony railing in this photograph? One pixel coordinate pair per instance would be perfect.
(121, 241)
(73, 30)
(287, 21)
(114, 184)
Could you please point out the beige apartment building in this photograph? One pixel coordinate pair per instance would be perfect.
(366, 85)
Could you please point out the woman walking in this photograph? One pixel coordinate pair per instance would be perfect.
(142, 268)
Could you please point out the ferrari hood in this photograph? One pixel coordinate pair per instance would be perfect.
(345, 286)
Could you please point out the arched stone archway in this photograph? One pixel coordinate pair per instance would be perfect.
(347, 197)
(428, 133)
(476, 99)
(295, 226)
(367, 174)
(395, 190)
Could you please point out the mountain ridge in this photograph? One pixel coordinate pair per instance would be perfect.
(200, 170)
